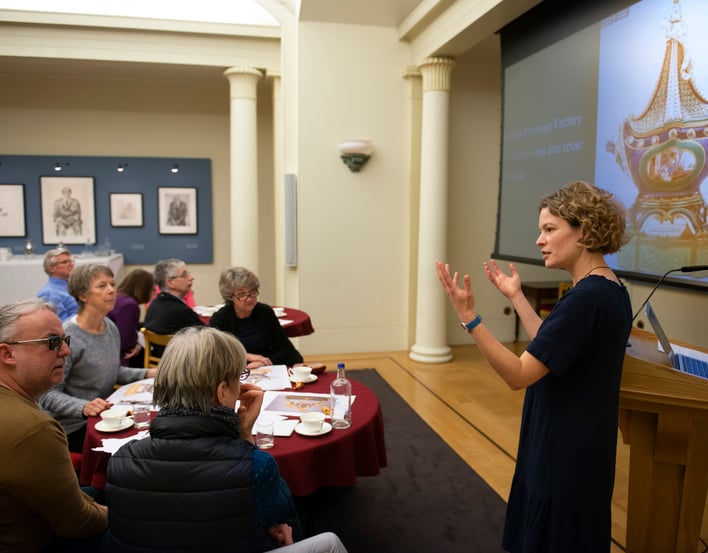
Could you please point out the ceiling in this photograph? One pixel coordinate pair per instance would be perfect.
(382, 13)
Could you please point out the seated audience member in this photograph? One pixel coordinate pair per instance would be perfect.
(252, 322)
(133, 290)
(188, 297)
(42, 507)
(93, 368)
(168, 313)
(201, 483)
(58, 264)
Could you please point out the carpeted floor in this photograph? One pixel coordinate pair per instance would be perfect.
(426, 500)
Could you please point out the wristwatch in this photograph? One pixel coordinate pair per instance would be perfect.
(468, 327)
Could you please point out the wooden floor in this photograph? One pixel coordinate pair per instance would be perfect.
(472, 409)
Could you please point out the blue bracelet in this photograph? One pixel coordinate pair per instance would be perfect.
(472, 324)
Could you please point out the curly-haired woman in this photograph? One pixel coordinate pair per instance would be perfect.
(562, 488)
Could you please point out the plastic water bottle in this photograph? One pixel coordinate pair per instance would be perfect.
(341, 397)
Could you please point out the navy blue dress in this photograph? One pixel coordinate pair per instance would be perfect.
(562, 488)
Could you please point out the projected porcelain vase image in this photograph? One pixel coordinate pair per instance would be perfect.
(664, 151)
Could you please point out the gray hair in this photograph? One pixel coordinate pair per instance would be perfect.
(165, 269)
(196, 360)
(82, 278)
(50, 258)
(236, 277)
(11, 313)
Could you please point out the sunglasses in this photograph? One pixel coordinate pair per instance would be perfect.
(53, 342)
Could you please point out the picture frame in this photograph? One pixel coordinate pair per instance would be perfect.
(126, 210)
(12, 211)
(177, 210)
(68, 210)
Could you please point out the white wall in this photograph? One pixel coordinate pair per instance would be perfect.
(354, 263)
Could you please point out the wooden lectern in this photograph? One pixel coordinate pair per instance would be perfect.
(664, 419)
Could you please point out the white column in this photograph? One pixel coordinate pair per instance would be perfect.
(278, 195)
(431, 337)
(243, 83)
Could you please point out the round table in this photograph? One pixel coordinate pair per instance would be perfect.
(298, 322)
(306, 463)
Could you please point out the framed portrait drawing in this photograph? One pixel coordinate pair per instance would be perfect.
(177, 210)
(126, 210)
(68, 210)
(12, 210)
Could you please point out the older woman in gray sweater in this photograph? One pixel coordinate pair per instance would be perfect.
(93, 368)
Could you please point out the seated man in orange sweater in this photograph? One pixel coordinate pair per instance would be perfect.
(42, 507)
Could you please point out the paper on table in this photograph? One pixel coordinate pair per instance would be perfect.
(273, 377)
(293, 404)
(111, 445)
(285, 321)
(282, 426)
(139, 391)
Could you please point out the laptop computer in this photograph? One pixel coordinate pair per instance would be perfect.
(682, 359)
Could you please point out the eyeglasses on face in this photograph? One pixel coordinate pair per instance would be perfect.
(244, 295)
(185, 274)
(64, 262)
(53, 342)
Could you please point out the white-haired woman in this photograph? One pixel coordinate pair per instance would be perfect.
(199, 481)
(94, 366)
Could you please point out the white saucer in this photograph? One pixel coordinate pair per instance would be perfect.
(127, 423)
(326, 427)
(308, 380)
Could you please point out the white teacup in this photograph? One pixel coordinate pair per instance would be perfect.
(312, 422)
(300, 374)
(113, 418)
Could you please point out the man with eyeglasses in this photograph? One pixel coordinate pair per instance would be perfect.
(168, 312)
(58, 264)
(42, 507)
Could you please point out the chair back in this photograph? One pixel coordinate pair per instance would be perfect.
(563, 287)
(153, 339)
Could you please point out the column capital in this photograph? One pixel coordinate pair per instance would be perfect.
(437, 73)
(243, 81)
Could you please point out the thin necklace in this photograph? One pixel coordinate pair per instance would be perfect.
(591, 270)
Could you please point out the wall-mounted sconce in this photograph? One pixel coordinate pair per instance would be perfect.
(121, 167)
(175, 168)
(355, 153)
(58, 167)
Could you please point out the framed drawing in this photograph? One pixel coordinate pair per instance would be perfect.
(177, 210)
(126, 210)
(68, 210)
(12, 210)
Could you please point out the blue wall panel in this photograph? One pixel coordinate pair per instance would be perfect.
(139, 245)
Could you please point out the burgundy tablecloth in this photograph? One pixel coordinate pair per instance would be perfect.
(306, 463)
(300, 324)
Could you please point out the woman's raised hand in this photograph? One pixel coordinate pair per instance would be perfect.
(462, 299)
(507, 285)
